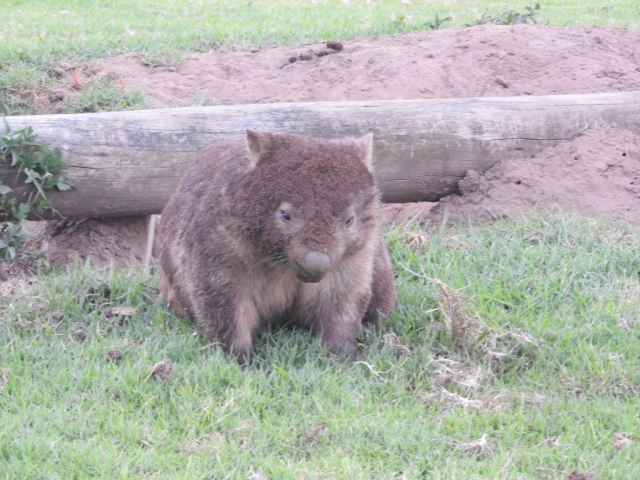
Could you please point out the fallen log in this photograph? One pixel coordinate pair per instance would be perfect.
(129, 163)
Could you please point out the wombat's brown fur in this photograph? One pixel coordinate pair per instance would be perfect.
(280, 229)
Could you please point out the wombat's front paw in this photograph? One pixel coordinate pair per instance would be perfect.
(243, 357)
(371, 320)
(346, 349)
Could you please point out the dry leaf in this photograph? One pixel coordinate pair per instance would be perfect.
(161, 371)
(576, 475)
(621, 441)
(120, 312)
(4, 378)
(312, 435)
(76, 81)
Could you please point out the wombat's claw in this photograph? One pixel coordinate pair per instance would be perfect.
(347, 352)
(371, 321)
(243, 358)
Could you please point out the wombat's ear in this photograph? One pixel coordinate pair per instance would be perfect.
(365, 145)
(257, 145)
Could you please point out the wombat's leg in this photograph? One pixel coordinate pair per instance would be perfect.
(339, 325)
(383, 290)
(341, 340)
(241, 341)
(232, 321)
(170, 295)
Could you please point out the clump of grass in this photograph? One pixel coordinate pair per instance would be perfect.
(402, 23)
(105, 94)
(202, 99)
(510, 17)
(162, 58)
(28, 89)
(498, 349)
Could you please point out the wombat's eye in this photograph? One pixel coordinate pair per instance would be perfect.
(285, 215)
(349, 222)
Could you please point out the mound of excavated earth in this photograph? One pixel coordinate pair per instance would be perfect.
(596, 173)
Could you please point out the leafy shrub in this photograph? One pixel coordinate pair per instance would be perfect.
(39, 169)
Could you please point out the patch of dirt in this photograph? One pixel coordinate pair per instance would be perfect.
(122, 241)
(595, 173)
(480, 61)
(406, 212)
(589, 173)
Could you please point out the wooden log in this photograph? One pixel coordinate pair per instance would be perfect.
(129, 163)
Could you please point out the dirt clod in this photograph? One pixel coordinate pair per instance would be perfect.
(98, 295)
(502, 82)
(114, 355)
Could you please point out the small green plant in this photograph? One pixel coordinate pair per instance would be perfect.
(436, 23)
(202, 99)
(401, 24)
(509, 17)
(40, 169)
(166, 58)
(398, 23)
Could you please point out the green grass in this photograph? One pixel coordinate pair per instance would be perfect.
(515, 353)
(39, 27)
(38, 34)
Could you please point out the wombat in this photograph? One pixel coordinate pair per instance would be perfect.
(280, 229)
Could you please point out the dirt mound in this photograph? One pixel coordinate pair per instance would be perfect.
(596, 173)
(588, 174)
(480, 61)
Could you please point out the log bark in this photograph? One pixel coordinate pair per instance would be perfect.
(129, 163)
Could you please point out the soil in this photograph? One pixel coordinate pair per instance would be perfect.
(597, 173)
(122, 241)
(479, 61)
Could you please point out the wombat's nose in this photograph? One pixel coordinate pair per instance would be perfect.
(316, 264)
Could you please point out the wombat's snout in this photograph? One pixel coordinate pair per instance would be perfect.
(314, 266)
